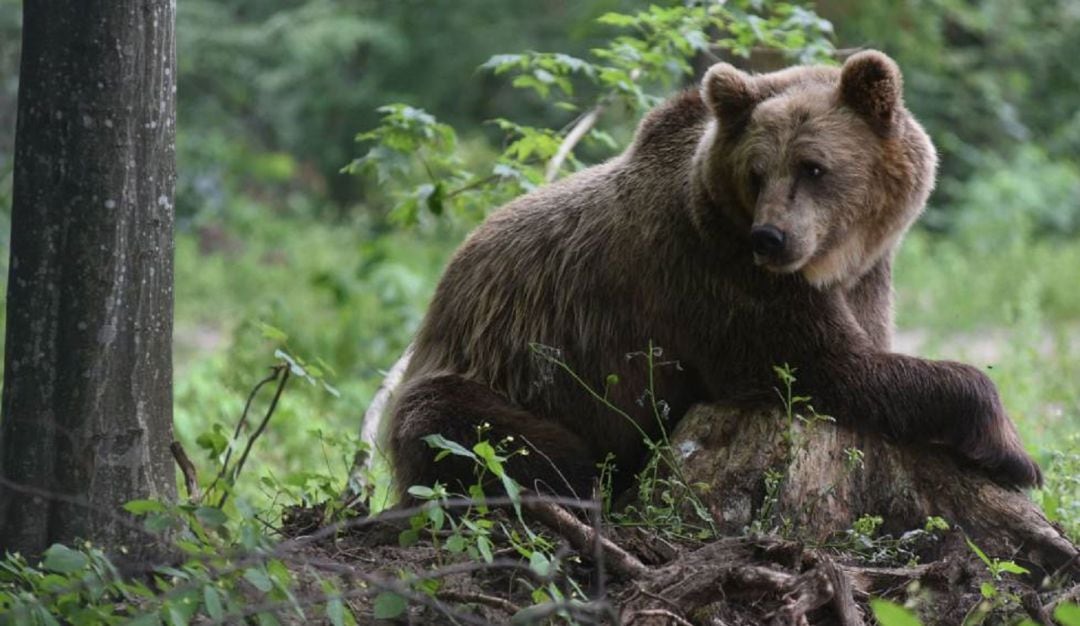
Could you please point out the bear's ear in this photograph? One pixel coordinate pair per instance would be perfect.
(730, 93)
(871, 85)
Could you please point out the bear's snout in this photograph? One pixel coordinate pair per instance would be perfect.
(767, 241)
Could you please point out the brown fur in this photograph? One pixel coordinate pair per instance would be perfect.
(654, 246)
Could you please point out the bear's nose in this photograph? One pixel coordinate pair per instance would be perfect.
(767, 240)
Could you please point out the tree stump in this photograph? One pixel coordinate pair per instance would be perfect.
(824, 485)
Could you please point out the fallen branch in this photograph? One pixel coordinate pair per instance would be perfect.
(843, 597)
(480, 598)
(585, 539)
(668, 616)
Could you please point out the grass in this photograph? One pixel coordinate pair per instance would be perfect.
(1010, 307)
(344, 298)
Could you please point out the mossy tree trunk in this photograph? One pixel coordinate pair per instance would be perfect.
(87, 404)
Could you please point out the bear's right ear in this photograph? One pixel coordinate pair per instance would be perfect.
(730, 93)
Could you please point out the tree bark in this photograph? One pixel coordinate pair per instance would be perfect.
(87, 405)
(822, 488)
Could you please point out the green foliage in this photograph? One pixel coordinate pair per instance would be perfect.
(229, 570)
(891, 614)
(1068, 614)
(1005, 300)
(636, 70)
(1028, 195)
(667, 502)
(996, 567)
(464, 526)
(1060, 496)
(864, 540)
(293, 80)
(994, 597)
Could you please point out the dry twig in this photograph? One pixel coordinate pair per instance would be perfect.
(187, 468)
(584, 538)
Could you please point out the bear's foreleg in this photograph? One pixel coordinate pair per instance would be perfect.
(921, 401)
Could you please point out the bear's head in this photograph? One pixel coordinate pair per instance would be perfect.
(821, 168)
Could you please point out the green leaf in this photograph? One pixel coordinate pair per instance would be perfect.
(1011, 567)
(145, 619)
(140, 507)
(389, 605)
(213, 442)
(988, 590)
(429, 586)
(979, 553)
(513, 491)
(273, 334)
(617, 19)
(158, 522)
(484, 450)
(456, 544)
(1068, 614)
(180, 609)
(422, 492)
(63, 560)
(210, 517)
(280, 574)
(212, 602)
(483, 544)
(442, 443)
(408, 538)
(435, 199)
(436, 515)
(892, 614)
(295, 365)
(335, 611)
(539, 563)
(259, 579)
(476, 493)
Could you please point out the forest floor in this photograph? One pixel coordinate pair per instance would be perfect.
(643, 576)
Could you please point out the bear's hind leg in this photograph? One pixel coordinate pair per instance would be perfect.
(557, 460)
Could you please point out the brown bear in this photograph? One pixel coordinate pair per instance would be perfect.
(751, 223)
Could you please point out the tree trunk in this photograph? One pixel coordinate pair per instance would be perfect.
(87, 405)
(821, 486)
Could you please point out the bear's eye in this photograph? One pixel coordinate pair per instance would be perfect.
(755, 182)
(811, 169)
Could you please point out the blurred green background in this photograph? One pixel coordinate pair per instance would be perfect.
(271, 232)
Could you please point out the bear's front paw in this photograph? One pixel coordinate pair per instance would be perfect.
(1001, 455)
(1014, 468)
(996, 448)
(990, 440)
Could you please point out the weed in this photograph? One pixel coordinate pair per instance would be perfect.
(663, 490)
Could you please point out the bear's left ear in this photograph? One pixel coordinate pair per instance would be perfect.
(731, 95)
(871, 85)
